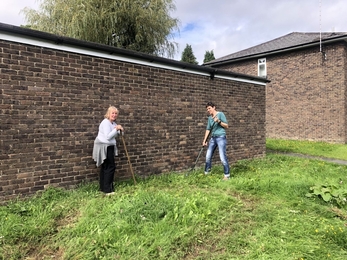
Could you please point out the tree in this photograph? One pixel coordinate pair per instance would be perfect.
(140, 25)
(188, 55)
(209, 55)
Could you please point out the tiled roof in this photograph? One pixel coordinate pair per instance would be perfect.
(282, 43)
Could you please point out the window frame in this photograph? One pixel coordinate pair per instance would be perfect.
(262, 71)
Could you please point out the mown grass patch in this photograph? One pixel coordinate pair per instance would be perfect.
(336, 151)
(262, 212)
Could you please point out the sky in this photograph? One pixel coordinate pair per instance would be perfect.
(228, 26)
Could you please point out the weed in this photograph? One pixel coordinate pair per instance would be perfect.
(333, 193)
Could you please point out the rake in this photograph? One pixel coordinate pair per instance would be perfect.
(126, 152)
(202, 148)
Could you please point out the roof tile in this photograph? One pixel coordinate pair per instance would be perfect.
(287, 41)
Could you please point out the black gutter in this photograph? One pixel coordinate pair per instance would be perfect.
(59, 40)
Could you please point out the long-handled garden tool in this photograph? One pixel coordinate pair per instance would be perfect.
(197, 159)
(202, 148)
(126, 152)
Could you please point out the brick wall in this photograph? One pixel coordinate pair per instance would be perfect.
(306, 98)
(52, 102)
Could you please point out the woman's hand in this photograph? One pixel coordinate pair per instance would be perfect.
(119, 127)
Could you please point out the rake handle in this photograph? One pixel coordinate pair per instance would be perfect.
(126, 152)
(202, 148)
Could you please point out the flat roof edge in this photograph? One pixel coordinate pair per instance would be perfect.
(44, 39)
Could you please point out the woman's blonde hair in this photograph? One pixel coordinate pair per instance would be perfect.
(109, 111)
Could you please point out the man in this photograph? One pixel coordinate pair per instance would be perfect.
(216, 124)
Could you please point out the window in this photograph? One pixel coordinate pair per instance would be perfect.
(262, 67)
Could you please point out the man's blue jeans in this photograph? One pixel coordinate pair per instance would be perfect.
(221, 142)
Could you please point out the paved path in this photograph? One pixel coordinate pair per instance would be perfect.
(337, 161)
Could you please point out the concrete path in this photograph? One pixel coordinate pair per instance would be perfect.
(337, 161)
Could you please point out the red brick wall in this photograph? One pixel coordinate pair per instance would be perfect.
(53, 101)
(306, 98)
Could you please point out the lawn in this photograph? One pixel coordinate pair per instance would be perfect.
(267, 210)
(336, 151)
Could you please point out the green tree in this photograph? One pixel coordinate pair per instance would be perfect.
(188, 55)
(209, 55)
(140, 25)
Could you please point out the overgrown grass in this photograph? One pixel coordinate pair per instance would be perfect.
(336, 151)
(260, 213)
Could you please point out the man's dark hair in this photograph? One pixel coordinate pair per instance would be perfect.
(210, 104)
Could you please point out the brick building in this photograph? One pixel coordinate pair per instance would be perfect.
(55, 90)
(306, 98)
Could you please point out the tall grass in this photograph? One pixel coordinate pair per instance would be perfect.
(260, 213)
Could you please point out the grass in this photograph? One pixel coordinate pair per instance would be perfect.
(262, 212)
(336, 151)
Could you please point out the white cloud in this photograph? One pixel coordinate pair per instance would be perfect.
(227, 26)
(10, 11)
(230, 26)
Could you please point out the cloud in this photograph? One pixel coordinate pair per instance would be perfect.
(227, 26)
(11, 14)
(230, 26)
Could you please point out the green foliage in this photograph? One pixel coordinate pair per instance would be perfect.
(260, 213)
(141, 25)
(188, 55)
(209, 55)
(333, 193)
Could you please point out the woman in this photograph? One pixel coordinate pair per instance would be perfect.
(105, 149)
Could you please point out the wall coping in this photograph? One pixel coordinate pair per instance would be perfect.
(42, 39)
